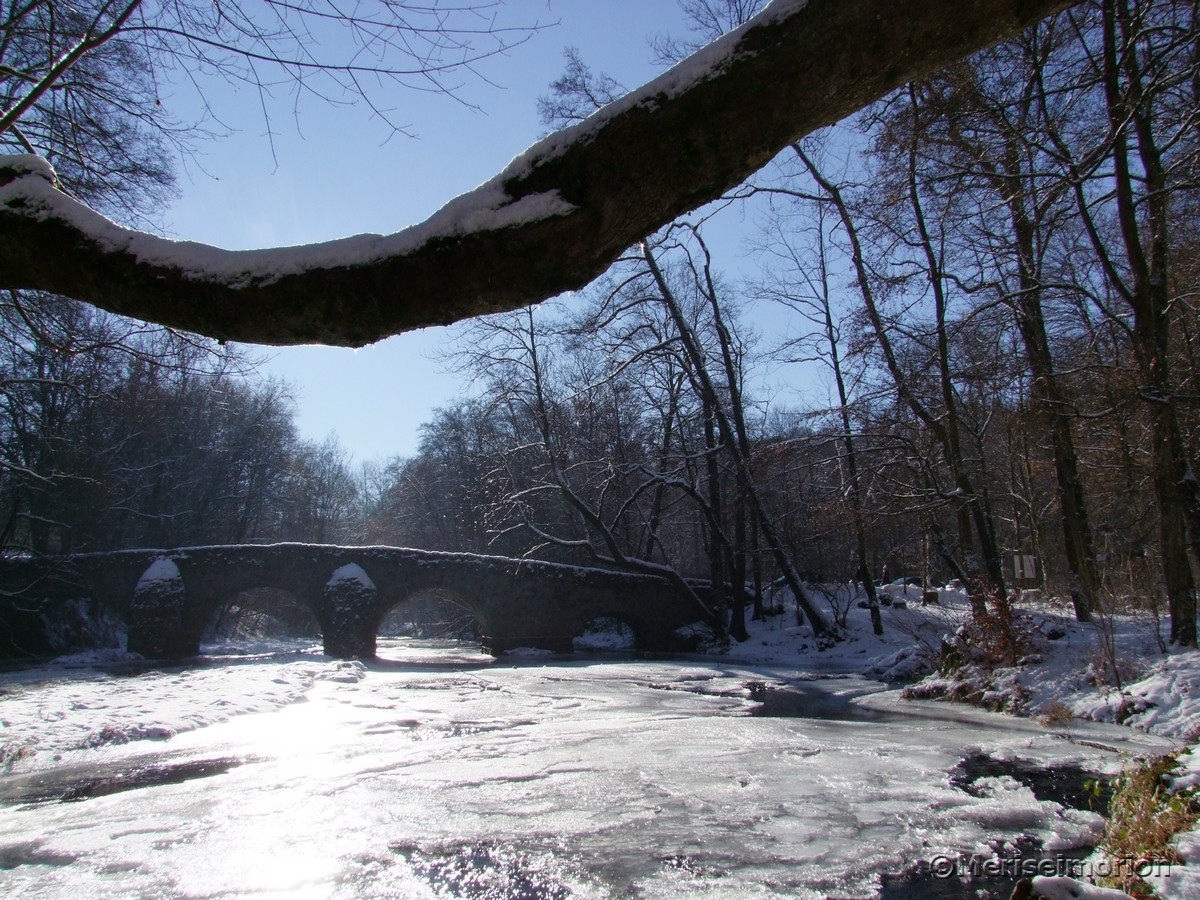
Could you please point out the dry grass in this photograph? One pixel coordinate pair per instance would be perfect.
(1056, 713)
(1144, 817)
(13, 751)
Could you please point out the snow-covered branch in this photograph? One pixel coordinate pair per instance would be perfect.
(554, 219)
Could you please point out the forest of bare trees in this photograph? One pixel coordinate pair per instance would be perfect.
(991, 273)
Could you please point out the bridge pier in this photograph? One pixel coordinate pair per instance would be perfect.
(348, 622)
(158, 627)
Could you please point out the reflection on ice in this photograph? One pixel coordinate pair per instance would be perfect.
(548, 780)
(490, 870)
(430, 652)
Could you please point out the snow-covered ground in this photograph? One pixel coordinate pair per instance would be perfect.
(277, 771)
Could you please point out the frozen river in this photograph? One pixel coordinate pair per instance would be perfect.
(290, 775)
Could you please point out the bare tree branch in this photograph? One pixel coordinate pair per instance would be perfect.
(550, 222)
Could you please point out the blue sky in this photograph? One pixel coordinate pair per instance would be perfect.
(332, 172)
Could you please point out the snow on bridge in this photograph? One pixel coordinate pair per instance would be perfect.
(167, 597)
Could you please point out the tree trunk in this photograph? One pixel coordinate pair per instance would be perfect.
(1144, 234)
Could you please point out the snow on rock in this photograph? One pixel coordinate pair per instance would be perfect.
(900, 592)
(119, 734)
(351, 591)
(906, 664)
(1166, 701)
(1189, 771)
(345, 671)
(605, 635)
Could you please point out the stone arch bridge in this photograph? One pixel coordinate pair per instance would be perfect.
(168, 597)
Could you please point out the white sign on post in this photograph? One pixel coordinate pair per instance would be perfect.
(1025, 567)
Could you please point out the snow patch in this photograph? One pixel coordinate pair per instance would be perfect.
(346, 671)
(605, 635)
(906, 664)
(52, 713)
(162, 569)
(351, 572)
(1166, 701)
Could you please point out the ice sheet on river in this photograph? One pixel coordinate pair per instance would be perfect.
(90, 700)
(576, 779)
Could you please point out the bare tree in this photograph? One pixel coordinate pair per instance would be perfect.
(1149, 66)
(318, 493)
(729, 417)
(117, 434)
(516, 355)
(1131, 163)
(314, 48)
(805, 286)
(984, 139)
(942, 420)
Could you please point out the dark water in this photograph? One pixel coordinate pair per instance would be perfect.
(1069, 786)
(806, 701)
(997, 875)
(68, 785)
(485, 871)
(968, 878)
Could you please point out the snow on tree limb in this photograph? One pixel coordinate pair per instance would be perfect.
(554, 219)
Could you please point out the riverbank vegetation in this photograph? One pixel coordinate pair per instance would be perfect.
(1145, 817)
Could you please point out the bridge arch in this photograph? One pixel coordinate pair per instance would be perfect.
(431, 612)
(262, 612)
(208, 581)
(614, 631)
